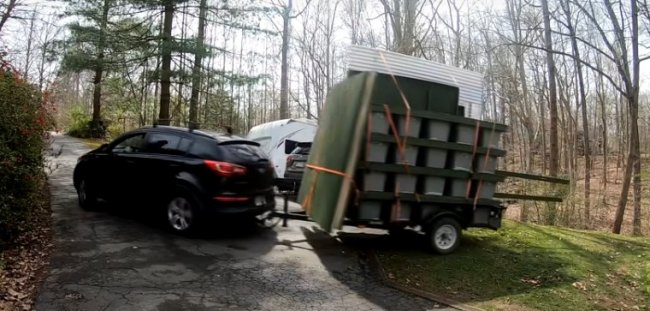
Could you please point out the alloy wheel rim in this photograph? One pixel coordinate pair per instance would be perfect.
(179, 214)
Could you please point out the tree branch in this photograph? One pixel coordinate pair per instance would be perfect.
(592, 67)
(302, 11)
(7, 13)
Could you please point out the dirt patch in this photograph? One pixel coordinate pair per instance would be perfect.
(23, 265)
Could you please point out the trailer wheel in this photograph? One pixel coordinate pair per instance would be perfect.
(444, 235)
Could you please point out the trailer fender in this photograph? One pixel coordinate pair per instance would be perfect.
(445, 213)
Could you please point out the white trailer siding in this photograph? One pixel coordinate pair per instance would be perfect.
(469, 83)
(273, 137)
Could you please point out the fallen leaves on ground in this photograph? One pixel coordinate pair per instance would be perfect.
(579, 285)
(533, 282)
(24, 262)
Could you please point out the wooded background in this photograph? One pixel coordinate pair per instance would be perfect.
(566, 76)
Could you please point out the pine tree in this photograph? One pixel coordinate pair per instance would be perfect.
(88, 38)
(100, 41)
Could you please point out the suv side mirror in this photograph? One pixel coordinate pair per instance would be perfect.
(103, 147)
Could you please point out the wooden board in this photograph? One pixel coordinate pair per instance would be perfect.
(336, 147)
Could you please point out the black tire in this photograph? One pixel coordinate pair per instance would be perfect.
(85, 195)
(182, 212)
(444, 235)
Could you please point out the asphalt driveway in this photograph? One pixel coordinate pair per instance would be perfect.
(112, 261)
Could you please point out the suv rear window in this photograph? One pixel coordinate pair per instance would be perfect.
(244, 150)
(228, 150)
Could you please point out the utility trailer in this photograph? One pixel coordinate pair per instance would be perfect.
(393, 152)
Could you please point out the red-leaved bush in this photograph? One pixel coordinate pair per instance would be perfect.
(25, 119)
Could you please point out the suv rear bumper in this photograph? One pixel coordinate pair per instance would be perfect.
(248, 208)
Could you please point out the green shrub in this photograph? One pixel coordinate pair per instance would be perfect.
(82, 126)
(24, 121)
(79, 123)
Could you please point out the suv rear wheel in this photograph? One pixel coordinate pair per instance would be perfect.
(182, 210)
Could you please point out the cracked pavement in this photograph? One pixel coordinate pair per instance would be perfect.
(108, 260)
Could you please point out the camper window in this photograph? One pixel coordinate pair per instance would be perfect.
(289, 145)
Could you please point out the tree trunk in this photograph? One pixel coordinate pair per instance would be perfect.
(554, 161)
(284, 79)
(28, 53)
(633, 165)
(165, 72)
(196, 70)
(603, 115)
(622, 201)
(634, 117)
(635, 158)
(145, 93)
(583, 105)
(41, 67)
(408, 34)
(99, 69)
(620, 149)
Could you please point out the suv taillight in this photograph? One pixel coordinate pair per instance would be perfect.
(289, 161)
(225, 169)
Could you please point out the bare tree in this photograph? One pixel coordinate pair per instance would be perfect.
(286, 10)
(548, 43)
(569, 24)
(30, 40)
(402, 15)
(7, 10)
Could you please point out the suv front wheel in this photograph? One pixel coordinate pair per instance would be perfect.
(87, 199)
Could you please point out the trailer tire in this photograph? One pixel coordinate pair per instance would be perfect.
(443, 236)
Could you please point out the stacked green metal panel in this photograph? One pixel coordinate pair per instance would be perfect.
(358, 172)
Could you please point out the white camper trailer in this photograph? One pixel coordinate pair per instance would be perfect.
(279, 138)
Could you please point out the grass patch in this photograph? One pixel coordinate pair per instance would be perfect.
(524, 267)
(647, 279)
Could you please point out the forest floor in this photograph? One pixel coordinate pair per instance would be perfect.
(604, 198)
(530, 267)
(23, 264)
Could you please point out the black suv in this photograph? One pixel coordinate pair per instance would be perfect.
(296, 161)
(183, 174)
